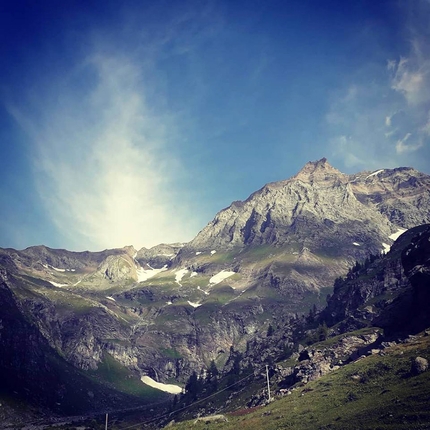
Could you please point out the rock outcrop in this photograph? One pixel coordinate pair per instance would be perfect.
(392, 292)
(419, 365)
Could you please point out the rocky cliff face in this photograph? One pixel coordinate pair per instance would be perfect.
(416, 264)
(391, 292)
(402, 194)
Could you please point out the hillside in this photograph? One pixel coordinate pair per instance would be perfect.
(373, 377)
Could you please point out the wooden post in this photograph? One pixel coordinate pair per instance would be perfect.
(268, 384)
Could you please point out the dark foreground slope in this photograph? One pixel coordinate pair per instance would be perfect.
(393, 292)
(34, 375)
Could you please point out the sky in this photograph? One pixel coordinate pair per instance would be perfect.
(135, 122)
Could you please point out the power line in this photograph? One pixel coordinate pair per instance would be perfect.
(191, 404)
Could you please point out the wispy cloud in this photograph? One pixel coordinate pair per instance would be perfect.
(411, 81)
(385, 112)
(102, 163)
(403, 146)
(356, 125)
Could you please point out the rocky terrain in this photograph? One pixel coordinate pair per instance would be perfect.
(367, 368)
(170, 310)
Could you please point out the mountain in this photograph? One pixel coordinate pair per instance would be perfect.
(319, 201)
(298, 235)
(170, 310)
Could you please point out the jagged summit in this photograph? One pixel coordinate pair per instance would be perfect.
(317, 171)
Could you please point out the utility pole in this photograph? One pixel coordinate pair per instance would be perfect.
(268, 384)
(106, 421)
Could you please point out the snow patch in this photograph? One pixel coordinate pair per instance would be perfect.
(193, 274)
(219, 277)
(374, 174)
(194, 305)
(386, 247)
(213, 252)
(48, 266)
(356, 244)
(168, 388)
(111, 298)
(56, 284)
(169, 303)
(397, 234)
(198, 252)
(179, 275)
(144, 275)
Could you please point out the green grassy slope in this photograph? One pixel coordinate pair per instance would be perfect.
(375, 392)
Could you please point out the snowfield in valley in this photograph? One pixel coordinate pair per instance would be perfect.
(168, 388)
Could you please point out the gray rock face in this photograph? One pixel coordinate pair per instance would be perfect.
(419, 365)
(314, 363)
(320, 202)
(402, 194)
(392, 292)
(158, 255)
(31, 367)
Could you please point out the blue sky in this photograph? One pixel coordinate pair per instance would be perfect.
(134, 122)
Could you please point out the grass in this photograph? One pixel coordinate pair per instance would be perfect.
(170, 353)
(218, 258)
(34, 288)
(111, 372)
(376, 392)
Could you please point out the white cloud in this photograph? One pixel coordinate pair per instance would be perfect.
(402, 146)
(388, 121)
(381, 117)
(425, 129)
(103, 165)
(357, 127)
(411, 78)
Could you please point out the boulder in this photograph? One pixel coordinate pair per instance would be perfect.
(419, 365)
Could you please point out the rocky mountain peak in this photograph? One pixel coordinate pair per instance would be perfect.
(318, 202)
(317, 171)
(130, 250)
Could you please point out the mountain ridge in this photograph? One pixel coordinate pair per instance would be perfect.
(167, 311)
(283, 202)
